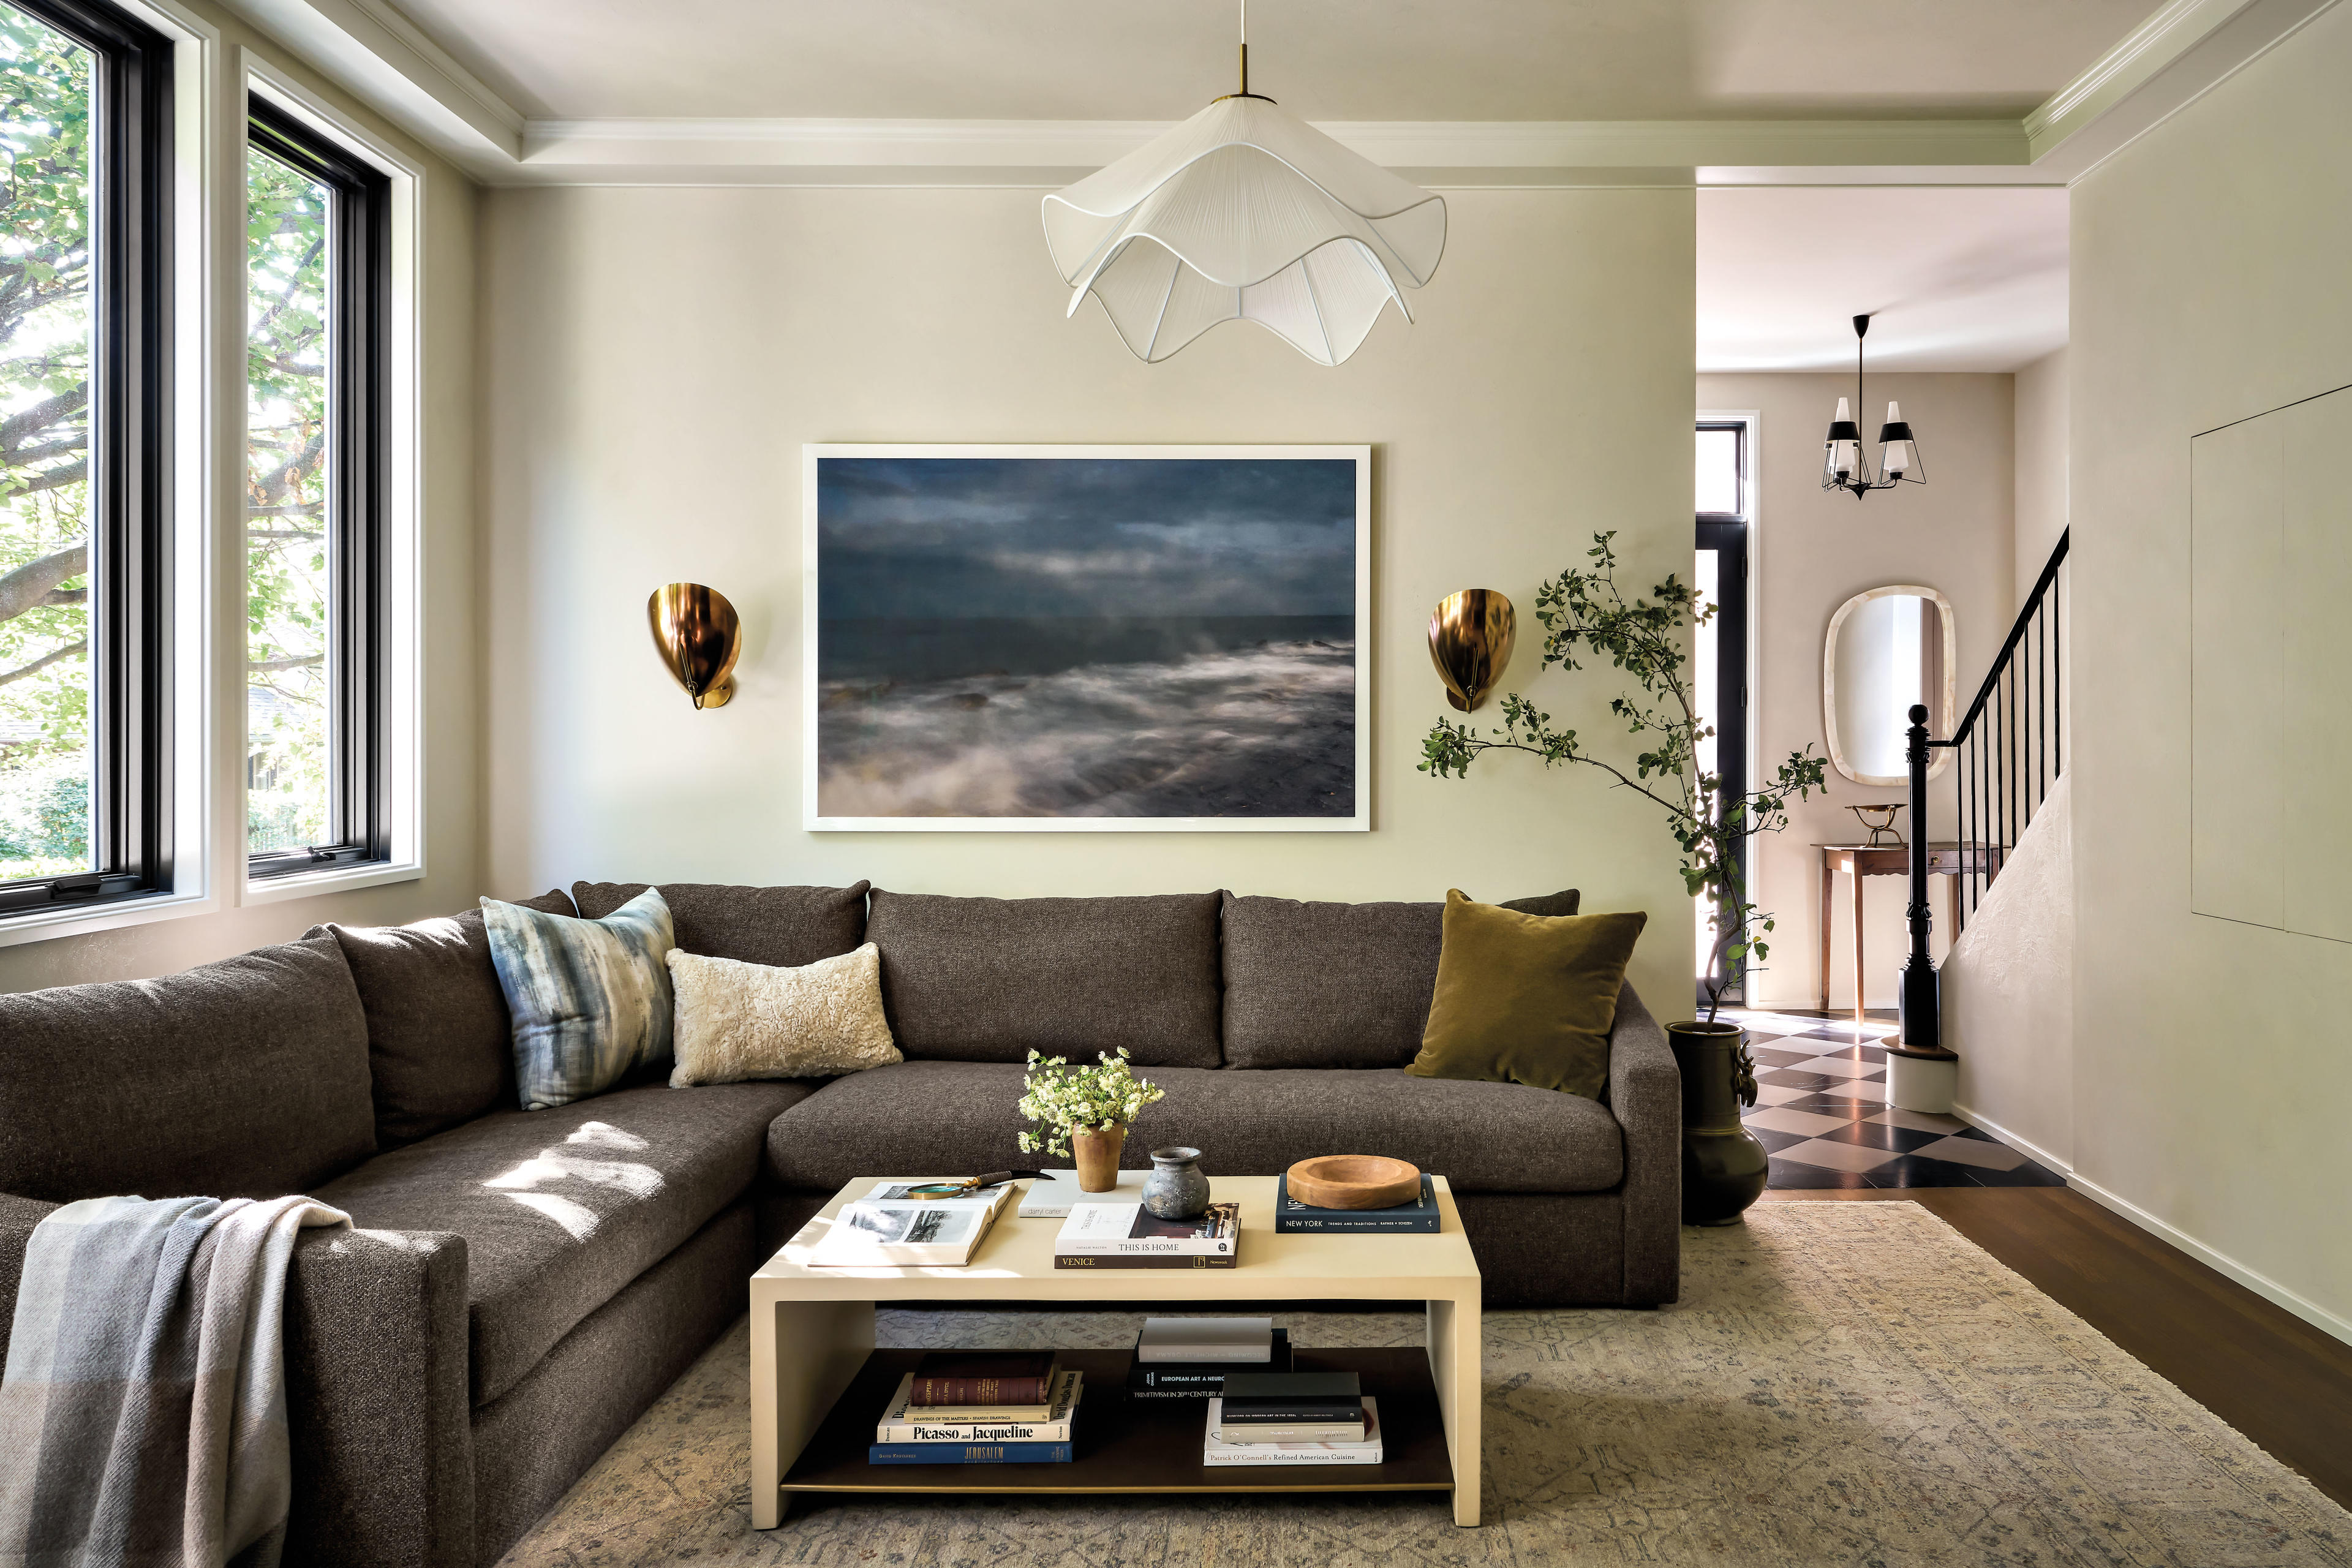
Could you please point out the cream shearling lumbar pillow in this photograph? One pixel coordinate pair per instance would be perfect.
(736, 1021)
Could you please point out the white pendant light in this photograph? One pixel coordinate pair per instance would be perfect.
(1245, 212)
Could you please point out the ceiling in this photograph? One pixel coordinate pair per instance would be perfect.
(1958, 279)
(1323, 59)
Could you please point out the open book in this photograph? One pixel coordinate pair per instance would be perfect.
(889, 1226)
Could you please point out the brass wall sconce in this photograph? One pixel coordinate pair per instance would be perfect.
(1470, 638)
(697, 634)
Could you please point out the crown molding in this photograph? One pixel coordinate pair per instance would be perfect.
(389, 63)
(2180, 53)
(2184, 50)
(1052, 152)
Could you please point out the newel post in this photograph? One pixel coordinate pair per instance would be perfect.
(1922, 1015)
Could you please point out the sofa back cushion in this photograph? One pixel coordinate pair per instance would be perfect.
(440, 1042)
(987, 980)
(784, 927)
(247, 1078)
(1336, 985)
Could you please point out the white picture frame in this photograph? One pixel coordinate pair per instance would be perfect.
(816, 818)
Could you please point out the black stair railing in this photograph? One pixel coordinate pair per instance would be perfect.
(2009, 748)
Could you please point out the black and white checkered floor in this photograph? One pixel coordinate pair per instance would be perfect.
(1821, 1108)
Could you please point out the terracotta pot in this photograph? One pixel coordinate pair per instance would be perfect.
(1724, 1167)
(1095, 1151)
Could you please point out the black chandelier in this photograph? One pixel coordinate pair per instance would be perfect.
(1845, 465)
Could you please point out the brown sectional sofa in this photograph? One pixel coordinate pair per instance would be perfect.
(520, 1286)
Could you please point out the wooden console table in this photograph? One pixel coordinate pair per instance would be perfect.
(1860, 860)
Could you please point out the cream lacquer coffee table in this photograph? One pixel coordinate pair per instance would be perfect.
(818, 1385)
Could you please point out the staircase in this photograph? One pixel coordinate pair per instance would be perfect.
(2010, 751)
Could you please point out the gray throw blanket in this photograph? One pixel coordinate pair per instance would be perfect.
(142, 1413)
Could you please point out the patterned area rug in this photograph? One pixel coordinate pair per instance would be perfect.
(1846, 1383)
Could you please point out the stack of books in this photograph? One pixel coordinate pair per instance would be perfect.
(979, 1408)
(1190, 1358)
(1292, 1418)
(1417, 1217)
(889, 1227)
(1127, 1236)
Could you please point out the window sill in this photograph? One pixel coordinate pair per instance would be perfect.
(335, 879)
(48, 925)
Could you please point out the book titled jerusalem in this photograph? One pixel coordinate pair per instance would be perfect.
(1102, 1229)
(1417, 1218)
(983, 1378)
(968, 1454)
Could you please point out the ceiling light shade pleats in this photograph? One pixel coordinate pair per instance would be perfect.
(1245, 212)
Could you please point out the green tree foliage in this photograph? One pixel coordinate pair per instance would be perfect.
(1585, 616)
(286, 544)
(45, 491)
(46, 317)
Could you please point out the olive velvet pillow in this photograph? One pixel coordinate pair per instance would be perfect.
(1526, 998)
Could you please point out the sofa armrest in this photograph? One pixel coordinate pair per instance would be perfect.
(377, 1401)
(17, 1218)
(1645, 1092)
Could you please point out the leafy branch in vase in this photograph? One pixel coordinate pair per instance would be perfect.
(1586, 619)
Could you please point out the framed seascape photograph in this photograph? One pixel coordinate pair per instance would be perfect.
(1106, 639)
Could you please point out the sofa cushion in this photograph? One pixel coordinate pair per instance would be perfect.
(1527, 998)
(590, 999)
(1336, 985)
(921, 1118)
(440, 1050)
(786, 927)
(560, 1209)
(247, 1078)
(988, 980)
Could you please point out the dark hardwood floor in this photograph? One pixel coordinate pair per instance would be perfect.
(2282, 1383)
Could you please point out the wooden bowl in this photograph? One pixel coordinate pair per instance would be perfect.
(1354, 1182)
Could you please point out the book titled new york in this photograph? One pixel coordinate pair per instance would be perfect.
(1417, 1218)
(983, 1378)
(968, 1454)
(1105, 1229)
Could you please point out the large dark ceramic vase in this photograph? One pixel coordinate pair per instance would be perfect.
(1723, 1166)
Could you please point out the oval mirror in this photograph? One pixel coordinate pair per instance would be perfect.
(1888, 650)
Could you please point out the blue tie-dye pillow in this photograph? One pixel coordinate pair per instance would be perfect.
(590, 999)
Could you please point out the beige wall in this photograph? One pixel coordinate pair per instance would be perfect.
(658, 357)
(452, 673)
(2209, 1086)
(2042, 457)
(1815, 550)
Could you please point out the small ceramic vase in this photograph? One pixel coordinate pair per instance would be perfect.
(1176, 1189)
(1095, 1151)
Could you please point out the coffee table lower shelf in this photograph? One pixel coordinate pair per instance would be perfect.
(1139, 1444)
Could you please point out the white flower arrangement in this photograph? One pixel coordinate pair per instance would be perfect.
(1068, 1100)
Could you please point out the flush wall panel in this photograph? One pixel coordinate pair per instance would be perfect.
(2316, 496)
(2238, 657)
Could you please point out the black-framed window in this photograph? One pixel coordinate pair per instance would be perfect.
(85, 447)
(318, 271)
(1724, 490)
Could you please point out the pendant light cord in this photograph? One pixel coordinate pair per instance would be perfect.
(1244, 92)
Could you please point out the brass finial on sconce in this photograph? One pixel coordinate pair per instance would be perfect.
(698, 636)
(1470, 638)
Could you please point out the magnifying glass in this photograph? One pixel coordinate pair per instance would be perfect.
(957, 1188)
